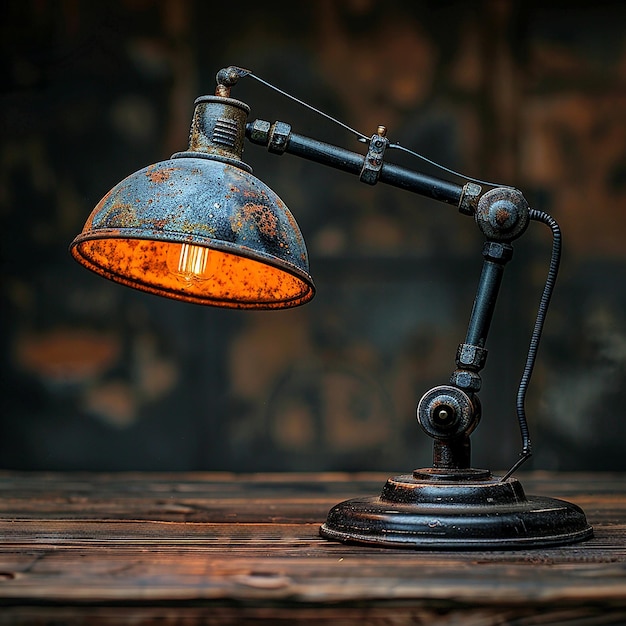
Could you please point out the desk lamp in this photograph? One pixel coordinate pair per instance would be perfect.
(201, 228)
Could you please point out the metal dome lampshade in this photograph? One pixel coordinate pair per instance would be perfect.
(200, 227)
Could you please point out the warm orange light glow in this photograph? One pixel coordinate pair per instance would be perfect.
(194, 273)
(190, 263)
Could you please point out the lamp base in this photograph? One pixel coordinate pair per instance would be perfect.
(456, 510)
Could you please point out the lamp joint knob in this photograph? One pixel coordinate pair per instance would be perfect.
(446, 412)
(502, 214)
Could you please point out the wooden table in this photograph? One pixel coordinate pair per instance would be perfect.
(222, 549)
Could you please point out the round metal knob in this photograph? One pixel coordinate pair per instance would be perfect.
(447, 412)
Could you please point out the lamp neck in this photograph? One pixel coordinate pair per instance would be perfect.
(218, 130)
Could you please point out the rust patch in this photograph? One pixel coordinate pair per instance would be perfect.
(121, 215)
(502, 216)
(191, 228)
(258, 214)
(291, 219)
(160, 175)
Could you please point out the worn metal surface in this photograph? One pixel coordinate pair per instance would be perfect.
(435, 513)
(199, 227)
(259, 132)
(502, 214)
(202, 202)
(218, 128)
(446, 412)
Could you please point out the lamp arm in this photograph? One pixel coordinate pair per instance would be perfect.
(448, 413)
(278, 139)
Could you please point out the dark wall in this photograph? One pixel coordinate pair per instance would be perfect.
(98, 376)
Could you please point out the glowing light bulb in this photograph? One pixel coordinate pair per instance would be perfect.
(189, 263)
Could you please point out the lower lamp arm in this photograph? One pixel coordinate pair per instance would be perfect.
(448, 413)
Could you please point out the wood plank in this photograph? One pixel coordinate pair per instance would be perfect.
(390, 615)
(104, 542)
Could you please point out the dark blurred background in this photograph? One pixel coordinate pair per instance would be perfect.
(96, 376)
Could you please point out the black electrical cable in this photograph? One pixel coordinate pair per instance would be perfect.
(548, 289)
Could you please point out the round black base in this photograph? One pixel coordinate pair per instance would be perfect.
(460, 512)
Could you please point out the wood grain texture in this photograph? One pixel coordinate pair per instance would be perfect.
(226, 549)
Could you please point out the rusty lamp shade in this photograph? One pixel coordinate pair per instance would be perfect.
(200, 227)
